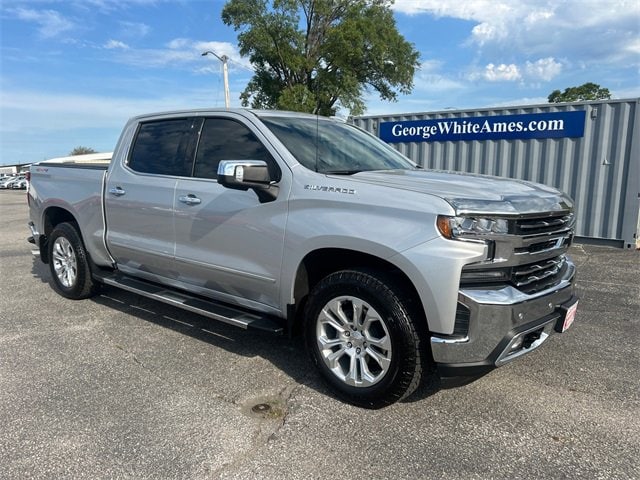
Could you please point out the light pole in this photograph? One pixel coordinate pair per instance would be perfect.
(225, 75)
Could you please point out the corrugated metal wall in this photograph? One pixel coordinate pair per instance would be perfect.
(599, 170)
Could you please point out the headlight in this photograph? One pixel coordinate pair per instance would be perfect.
(471, 227)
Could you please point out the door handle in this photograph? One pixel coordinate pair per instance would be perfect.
(117, 191)
(190, 199)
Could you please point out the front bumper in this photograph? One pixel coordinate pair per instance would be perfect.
(499, 320)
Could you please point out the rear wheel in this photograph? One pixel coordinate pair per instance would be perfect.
(69, 264)
(361, 336)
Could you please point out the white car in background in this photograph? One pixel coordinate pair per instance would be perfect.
(6, 182)
(19, 184)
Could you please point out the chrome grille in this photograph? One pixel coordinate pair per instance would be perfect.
(535, 226)
(537, 276)
(531, 257)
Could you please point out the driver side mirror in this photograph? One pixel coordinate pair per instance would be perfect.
(246, 174)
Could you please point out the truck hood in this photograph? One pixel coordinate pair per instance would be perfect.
(474, 194)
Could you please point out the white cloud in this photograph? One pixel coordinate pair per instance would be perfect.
(50, 23)
(116, 44)
(134, 29)
(538, 16)
(429, 66)
(178, 43)
(485, 32)
(518, 101)
(180, 52)
(467, 10)
(437, 83)
(586, 30)
(634, 46)
(631, 92)
(502, 73)
(543, 69)
(112, 5)
(429, 78)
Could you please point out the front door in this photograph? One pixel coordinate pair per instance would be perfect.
(229, 245)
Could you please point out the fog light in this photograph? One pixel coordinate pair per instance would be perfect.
(483, 276)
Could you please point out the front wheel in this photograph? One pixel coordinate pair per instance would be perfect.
(361, 336)
(69, 264)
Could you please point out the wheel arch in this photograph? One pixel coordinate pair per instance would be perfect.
(52, 217)
(321, 262)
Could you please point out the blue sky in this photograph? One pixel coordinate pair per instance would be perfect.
(73, 71)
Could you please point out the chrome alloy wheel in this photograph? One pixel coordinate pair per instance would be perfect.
(65, 263)
(354, 341)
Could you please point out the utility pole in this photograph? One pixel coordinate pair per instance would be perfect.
(225, 74)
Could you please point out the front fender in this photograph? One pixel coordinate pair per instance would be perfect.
(434, 268)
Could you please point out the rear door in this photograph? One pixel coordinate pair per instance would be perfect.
(139, 197)
(229, 244)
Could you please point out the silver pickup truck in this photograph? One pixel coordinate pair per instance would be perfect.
(273, 220)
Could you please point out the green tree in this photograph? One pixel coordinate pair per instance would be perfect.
(588, 91)
(81, 151)
(318, 55)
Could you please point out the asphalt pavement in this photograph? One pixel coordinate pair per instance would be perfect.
(119, 386)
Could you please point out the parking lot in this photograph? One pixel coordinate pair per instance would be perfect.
(123, 387)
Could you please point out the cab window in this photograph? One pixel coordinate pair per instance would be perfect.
(163, 147)
(226, 139)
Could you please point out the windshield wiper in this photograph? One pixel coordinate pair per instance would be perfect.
(340, 172)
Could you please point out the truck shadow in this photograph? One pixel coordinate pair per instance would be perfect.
(40, 270)
(287, 354)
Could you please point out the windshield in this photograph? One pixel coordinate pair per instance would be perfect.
(328, 146)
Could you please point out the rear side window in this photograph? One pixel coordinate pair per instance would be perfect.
(163, 147)
(224, 139)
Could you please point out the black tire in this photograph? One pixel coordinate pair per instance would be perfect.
(393, 373)
(69, 263)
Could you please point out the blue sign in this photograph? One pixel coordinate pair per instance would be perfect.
(497, 127)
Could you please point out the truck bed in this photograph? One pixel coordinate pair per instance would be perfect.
(73, 185)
